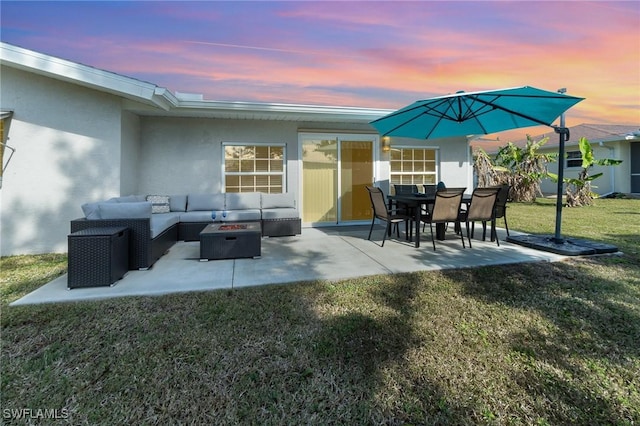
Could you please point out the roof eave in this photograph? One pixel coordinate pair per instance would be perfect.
(281, 111)
(72, 72)
(145, 93)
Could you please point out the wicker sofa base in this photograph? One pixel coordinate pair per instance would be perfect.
(163, 242)
(281, 227)
(190, 231)
(143, 250)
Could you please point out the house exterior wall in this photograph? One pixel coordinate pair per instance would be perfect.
(129, 153)
(185, 155)
(67, 141)
(613, 179)
(622, 178)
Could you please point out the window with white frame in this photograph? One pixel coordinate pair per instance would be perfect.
(254, 168)
(413, 166)
(574, 159)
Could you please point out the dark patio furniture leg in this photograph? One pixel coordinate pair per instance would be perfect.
(371, 229)
(390, 209)
(418, 219)
(506, 225)
(494, 233)
(432, 239)
(384, 236)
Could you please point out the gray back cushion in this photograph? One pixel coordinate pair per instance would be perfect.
(178, 203)
(124, 210)
(275, 201)
(205, 202)
(130, 199)
(242, 201)
(91, 210)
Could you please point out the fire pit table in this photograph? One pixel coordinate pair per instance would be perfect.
(230, 240)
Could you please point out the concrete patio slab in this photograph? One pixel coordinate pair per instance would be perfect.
(317, 254)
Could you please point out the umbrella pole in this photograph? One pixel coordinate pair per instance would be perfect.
(562, 131)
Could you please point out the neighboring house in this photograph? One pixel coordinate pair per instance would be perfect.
(620, 142)
(83, 134)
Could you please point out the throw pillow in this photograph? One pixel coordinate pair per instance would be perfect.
(159, 203)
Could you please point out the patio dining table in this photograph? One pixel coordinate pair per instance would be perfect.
(415, 202)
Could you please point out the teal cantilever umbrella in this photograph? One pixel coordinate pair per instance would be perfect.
(485, 112)
(475, 113)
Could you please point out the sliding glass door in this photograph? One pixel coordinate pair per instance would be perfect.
(335, 171)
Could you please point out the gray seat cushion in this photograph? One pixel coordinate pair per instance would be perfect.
(163, 221)
(197, 216)
(242, 215)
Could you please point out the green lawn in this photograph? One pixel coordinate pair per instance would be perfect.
(543, 343)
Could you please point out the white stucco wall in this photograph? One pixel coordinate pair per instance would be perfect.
(129, 153)
(184, 155)
(622, 178)
(67, 141)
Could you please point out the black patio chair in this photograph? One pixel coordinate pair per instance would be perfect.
(380, 211)
(400, 189)
(405, 189)
(446, 208)
(430, 189)
(482, 209)
(500, 210)
(501, 205)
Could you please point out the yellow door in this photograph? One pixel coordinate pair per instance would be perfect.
(356, 172)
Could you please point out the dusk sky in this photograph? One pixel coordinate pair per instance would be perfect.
(382, 54)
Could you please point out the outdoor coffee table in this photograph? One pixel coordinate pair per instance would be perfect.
(230, 240)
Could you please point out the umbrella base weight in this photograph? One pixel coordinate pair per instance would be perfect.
(570, 246)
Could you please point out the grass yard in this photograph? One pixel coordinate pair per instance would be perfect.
(519, 344)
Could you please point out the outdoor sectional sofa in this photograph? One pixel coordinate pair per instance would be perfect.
(156, 222)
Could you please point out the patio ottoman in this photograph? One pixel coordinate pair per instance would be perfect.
(97, 256)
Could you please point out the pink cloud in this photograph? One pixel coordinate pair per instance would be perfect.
(382, 55)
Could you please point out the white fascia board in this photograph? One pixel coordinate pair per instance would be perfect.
(64, 70)
(295, 111)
